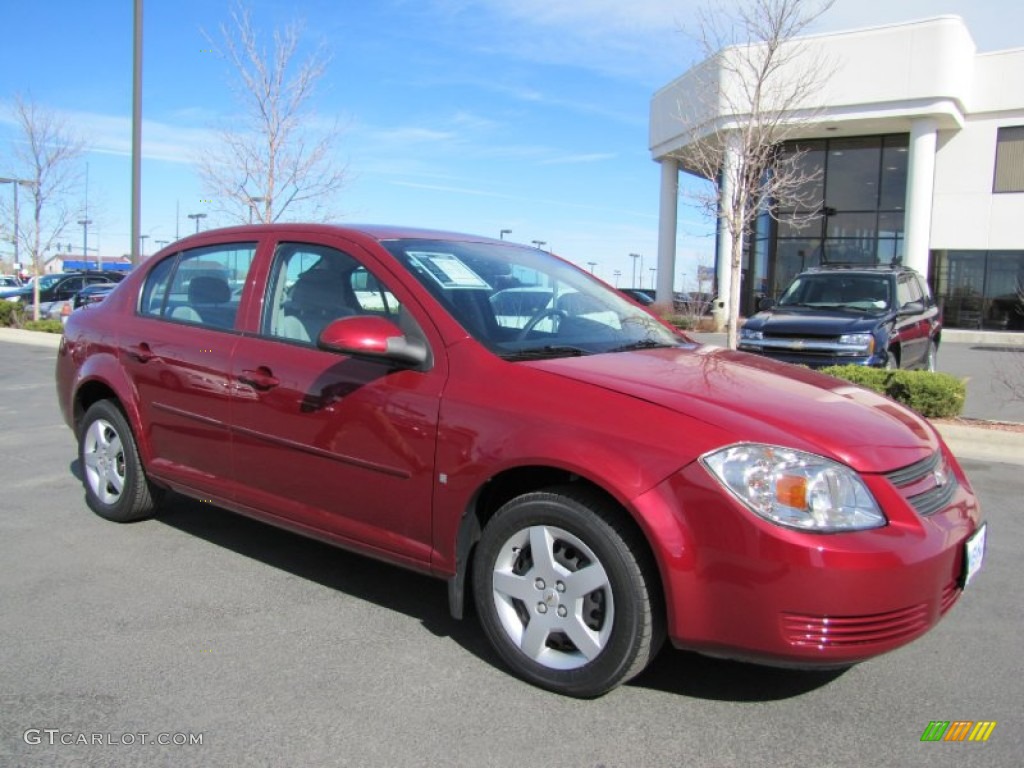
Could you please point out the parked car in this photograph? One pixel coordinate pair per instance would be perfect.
(877, 316)
(55, 289)
(9, 281)
(91, 294)
(592, 484)
(641, 297)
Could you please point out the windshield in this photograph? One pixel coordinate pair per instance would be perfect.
(45, 281)
(834, 290)
(523, 303)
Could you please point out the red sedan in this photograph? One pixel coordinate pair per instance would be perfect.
(487, 413)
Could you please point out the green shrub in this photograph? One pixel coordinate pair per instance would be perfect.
(682, 322)
(46, 326)
(10, 314)
(933, 395)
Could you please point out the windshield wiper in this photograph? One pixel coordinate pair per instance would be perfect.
(642, 344)
(542, 353)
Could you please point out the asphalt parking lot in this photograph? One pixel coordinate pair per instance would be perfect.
(274, 650)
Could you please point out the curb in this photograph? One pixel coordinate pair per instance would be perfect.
(34, 338)
(965, 441)
(981, 444)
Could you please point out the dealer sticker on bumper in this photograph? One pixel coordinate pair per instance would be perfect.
(974, 553)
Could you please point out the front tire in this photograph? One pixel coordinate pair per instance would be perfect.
(566, 592)
(116, 487)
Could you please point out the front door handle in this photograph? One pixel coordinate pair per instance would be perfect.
(260, 378)
(141, 352)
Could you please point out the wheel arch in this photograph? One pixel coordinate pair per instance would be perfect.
(507, 485)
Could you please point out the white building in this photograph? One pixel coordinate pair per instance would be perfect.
(919, 140)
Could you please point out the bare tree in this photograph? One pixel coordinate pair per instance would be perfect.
(753, 93)
(277, 164)
(46, 154)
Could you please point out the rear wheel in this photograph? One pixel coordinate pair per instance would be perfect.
(116, 487)
(566, 593)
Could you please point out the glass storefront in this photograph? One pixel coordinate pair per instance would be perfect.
(849, 211)
(980, 289)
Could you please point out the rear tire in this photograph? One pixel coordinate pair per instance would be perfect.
(116, 487)
(567, 593)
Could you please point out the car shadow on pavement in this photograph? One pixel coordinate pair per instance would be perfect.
(703, 677)
(425, 599)
(363, 578)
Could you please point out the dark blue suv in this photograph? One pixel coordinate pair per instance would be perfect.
(879, 316)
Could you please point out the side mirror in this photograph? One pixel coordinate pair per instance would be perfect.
(765, 304)
(373, 338)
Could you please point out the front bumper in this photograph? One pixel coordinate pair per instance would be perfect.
(740, 587)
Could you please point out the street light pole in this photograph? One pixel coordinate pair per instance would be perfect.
(197, 217)
(634, 257)
(17, 219)
(85, 242)
(653, 270)
(142, 246)
(252, 206)
(539, 243)
(591, 264)
(617, 274)
(501, 235)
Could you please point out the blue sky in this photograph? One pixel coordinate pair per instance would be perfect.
(470, 115)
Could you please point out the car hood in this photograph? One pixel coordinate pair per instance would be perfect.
(755, 399)
(832, 322)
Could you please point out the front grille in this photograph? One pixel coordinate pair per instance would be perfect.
(928, 485)
(806, 631)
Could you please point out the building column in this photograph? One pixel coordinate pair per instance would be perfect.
(917, 225)
(668, 218)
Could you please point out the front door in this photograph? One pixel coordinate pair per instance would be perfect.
(329, 442)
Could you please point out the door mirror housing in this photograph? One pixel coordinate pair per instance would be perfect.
(373, 338)
(765, 304)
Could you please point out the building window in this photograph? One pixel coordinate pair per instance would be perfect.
(1009, 175)
(980, 289)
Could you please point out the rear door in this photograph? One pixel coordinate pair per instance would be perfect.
(178, 355)
(331, 443)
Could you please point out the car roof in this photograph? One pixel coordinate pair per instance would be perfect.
(379, 232)
(861, 269)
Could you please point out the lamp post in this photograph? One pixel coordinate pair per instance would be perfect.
(197, 217)
(539, 243)
(15, 183)
(252, 206)
(653, 271)
(501, 235)
(634, 257)
(85, 242)
(591, 264)
(142, 246)
(617, 274)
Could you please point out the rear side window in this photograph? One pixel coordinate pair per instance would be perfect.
(202, 286)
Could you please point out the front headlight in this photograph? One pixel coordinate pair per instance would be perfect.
(750, 335)
(864, 341)
(795, 489)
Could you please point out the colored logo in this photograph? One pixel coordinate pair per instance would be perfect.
(958, 730)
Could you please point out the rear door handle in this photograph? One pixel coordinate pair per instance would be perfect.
(260, 378)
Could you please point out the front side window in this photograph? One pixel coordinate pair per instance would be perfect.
(201, 286)
(524, 303)
(312, 285)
